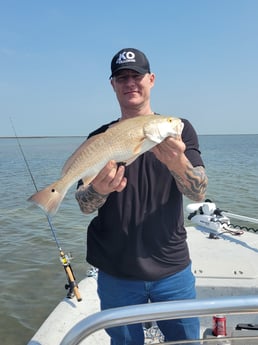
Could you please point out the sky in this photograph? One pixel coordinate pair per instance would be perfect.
(55, 62)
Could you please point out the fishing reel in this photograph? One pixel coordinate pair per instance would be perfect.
(65, 258)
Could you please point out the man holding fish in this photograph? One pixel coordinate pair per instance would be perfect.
(137, 239)
(134, 172)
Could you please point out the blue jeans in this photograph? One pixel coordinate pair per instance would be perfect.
(115, 292)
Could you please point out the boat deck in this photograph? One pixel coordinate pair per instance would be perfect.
(226, 266)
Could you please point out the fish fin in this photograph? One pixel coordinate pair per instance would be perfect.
(137, 150)
(49, 199)
(144, 145)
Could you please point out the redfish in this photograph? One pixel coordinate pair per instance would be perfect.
(122, 142)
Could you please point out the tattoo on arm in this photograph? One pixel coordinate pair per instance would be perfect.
(88, 199)
(194, 182)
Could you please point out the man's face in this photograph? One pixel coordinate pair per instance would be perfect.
(132, 88)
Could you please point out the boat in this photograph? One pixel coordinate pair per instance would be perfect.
(224, 262)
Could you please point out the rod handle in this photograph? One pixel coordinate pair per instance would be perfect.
(72, 281)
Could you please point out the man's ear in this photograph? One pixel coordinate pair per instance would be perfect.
(152, 79)
(113, 84)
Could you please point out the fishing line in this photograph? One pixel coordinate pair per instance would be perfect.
(35, 185)
(64, 258)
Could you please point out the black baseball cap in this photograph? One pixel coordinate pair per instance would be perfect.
(130, 58)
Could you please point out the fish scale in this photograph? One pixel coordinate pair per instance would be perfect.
(122, 142)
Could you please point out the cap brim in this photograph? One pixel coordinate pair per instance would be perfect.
(133, 68)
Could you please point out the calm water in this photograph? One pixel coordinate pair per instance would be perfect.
(31, 275)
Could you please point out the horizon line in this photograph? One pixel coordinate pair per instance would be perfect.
(85, 136)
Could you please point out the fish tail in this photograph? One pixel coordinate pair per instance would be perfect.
(49, 198)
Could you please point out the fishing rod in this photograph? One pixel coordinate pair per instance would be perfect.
(64, 258)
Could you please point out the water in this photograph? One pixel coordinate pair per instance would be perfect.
(32, 277)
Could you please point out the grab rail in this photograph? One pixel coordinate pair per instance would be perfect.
(159, 311)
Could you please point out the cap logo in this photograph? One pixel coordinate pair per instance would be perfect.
(130, 58)
(125, 57)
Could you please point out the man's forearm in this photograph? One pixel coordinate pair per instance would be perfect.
(88, 199)
(193, 182)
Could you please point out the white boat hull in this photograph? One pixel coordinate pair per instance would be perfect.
(226, 266)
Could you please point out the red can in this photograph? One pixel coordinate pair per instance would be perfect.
(219, 328)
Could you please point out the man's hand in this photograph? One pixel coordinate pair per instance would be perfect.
(191, 181)
(170, 152)
(110, 179)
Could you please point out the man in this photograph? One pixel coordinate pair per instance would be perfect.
(138, 239)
